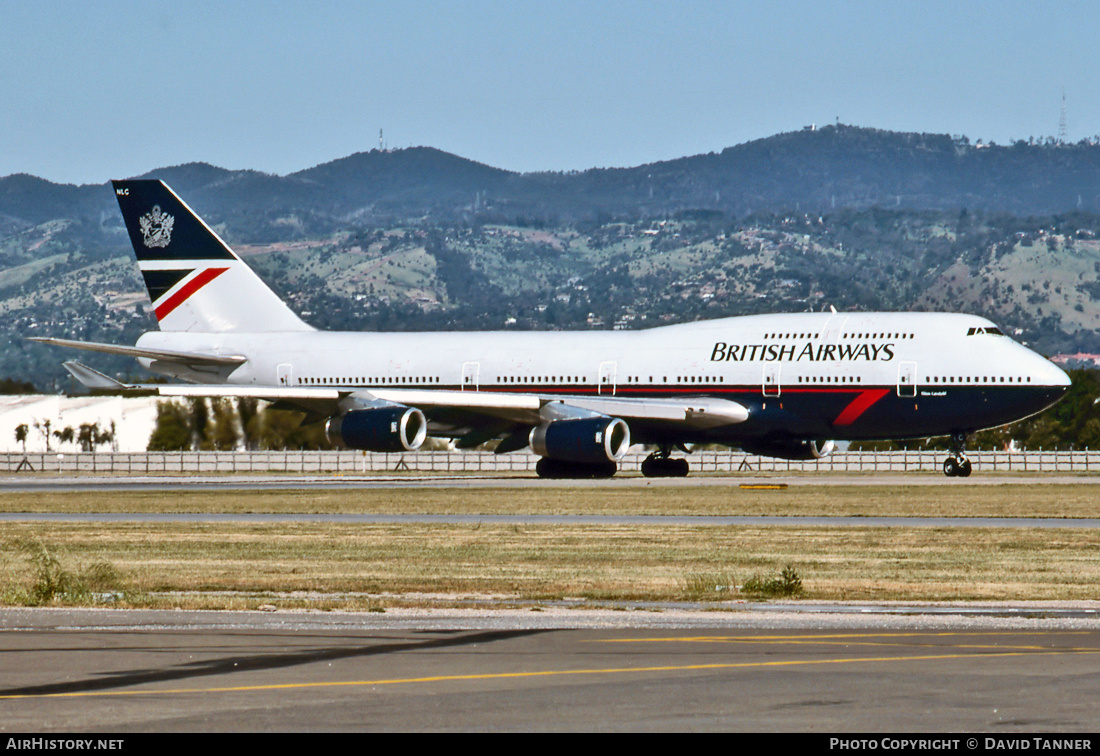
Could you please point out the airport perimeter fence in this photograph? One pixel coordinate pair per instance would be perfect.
(354, 462)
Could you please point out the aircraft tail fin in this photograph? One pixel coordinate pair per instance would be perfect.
(195, 281)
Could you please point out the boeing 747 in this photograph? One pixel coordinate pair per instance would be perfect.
(785, 385)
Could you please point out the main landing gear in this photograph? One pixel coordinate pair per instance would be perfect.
(957, 465)
(558, 469)
(660, 464)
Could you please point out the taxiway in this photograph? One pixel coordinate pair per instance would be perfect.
(140, 671)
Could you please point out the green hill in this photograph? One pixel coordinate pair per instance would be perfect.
(420, 239)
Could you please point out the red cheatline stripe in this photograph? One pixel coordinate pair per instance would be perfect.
(860, 405)
(196, 283)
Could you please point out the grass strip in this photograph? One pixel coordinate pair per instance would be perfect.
(148, 563)
(953, 500)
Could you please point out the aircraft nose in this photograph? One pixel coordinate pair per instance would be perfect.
(1048, 375)
(1054, 376)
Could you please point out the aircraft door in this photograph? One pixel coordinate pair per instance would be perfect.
(470, 375)
(284, 374)
(907, 379)
(608, 376)
(833, 326)
(771, 379)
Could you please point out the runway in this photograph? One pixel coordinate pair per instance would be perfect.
(129, 672)
(29, 484)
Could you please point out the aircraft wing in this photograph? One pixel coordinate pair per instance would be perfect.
(514, 408)
(534, 409)
(699, 412)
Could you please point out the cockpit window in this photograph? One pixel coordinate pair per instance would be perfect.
(991, 330)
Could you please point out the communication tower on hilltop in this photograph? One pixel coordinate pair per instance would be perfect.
(1062, 136)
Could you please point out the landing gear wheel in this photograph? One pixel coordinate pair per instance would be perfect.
(660, 465)
(957, 465)
(556, 469)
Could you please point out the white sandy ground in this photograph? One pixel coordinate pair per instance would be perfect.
(803, 615)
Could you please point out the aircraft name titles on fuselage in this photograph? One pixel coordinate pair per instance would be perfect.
(724, 352)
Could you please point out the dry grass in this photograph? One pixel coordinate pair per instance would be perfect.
(377, 565)
(529, 562)
(955, 500)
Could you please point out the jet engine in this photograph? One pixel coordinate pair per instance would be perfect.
(590, 440)
(794, 448)
(380, 429)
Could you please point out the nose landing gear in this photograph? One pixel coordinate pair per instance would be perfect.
(957, 465)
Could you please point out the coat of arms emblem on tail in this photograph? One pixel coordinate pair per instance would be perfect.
(156, 227)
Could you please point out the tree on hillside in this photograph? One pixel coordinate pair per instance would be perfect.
(64, 436)
(43, 428)
(90, 436)
(13, 386)
(280, 430)
(172, 431)
(247, 409)
(224, 433)
(225, 425)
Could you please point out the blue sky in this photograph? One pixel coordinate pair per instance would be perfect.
(99, 90)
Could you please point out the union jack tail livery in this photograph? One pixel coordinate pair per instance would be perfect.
(195, 281)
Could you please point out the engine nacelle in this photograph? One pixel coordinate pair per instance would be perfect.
(588, 440)
(794, 449)
(380, 429)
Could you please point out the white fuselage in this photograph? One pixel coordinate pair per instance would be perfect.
(786, 350)
(925, 373)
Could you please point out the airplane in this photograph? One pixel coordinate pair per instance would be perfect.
(782, 385)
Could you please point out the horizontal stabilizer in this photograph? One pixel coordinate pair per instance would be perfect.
(196, 359)
(93, 379)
